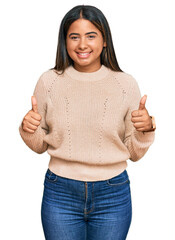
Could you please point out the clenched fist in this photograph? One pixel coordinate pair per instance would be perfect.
(32, 119)
(140, 118)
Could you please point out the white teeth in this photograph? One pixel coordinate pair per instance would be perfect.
(83, 54)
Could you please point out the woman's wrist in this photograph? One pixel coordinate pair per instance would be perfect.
(153, 125)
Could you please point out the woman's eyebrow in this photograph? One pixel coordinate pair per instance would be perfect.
(85, 33)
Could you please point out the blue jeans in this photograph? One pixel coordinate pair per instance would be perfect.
(78, 210)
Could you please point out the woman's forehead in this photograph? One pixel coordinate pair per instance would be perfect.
(83, 26)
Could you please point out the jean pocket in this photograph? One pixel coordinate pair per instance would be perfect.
(50, 176)
(119, 180)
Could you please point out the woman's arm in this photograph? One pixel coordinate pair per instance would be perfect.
(35, 139)
(138, 133)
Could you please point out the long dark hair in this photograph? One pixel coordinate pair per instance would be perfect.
(94, 15)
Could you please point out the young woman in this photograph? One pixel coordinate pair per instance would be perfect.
(90, 117)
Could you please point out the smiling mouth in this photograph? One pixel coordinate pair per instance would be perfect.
(83, 54)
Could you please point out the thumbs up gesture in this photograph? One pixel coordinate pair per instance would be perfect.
(140, 118)
(32, 119)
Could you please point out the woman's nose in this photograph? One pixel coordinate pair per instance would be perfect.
(82, 43)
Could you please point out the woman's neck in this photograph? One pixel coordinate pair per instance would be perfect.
(88, 68)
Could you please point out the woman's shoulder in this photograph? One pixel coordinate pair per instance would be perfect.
(126, 80)
(49, 75)
(122, 75)
(47, 80)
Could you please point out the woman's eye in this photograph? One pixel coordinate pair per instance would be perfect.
(74, 38)
(91, 36)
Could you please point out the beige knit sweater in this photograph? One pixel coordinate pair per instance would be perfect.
(86, 123)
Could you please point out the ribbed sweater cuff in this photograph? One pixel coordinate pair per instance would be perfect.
(34, 140)
(144, 137)
(26, 135)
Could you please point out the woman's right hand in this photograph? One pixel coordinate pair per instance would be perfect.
(32, 119)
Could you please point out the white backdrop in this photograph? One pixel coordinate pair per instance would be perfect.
(143, 37)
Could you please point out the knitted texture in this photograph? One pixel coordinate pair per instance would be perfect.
(86, 123)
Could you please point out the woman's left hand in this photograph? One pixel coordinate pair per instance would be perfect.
(140, 118)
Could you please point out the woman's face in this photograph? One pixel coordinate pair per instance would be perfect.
(84, 45)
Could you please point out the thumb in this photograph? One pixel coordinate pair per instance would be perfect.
(142, 102)
(34, 104)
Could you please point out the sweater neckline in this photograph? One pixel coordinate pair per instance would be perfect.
(100, 74)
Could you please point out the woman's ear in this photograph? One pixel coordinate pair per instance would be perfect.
(104, 44)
